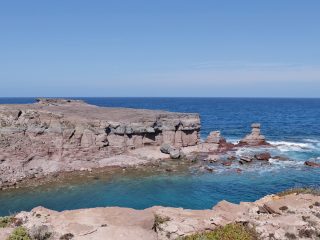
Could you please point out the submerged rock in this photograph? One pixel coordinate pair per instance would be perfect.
(263, 156)
(311, 164)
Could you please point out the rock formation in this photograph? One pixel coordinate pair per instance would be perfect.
(265, 156)
(293, 216)
(254, 138)
(55, 135)
(215, 138)
(311, 164)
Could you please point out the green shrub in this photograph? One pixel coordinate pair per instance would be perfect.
(158, 220)
(232, 231)
(5, 221)
(20, 233)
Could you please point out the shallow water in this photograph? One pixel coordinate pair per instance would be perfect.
(290, 124)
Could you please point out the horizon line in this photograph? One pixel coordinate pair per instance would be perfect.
(163, 97)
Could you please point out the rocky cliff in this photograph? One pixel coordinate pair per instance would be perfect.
(55, 135)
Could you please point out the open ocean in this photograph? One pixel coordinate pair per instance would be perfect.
(293, 125)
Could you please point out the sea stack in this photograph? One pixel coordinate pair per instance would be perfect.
(254, 138)
(215, 138)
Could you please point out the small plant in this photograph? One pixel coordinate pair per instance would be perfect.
(283, 208)
(158, 220)
(40, 232)
(313, 191)
(306, 233)
(233, 231)
(20, 233)
(5, 221)
(67, 236)
(290, 236)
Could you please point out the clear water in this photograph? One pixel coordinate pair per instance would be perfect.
(291, 124)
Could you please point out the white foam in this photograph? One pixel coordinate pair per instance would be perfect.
(284, 146)
(233, 140)
(286, 163)
(311, 140)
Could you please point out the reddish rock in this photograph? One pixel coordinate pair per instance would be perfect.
(227, 163)
(312, 164)
(281, 158)
(262, 156)
(232, 158)
(216, 138)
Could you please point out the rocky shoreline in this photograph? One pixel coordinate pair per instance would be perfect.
(291, 215)
(55, 140)
(51, 138)
(54, 136)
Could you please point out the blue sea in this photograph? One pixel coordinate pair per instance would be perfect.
(292, 125)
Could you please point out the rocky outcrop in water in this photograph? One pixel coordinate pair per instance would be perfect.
(56, 135)
(292, 216)
(311, 164)
(254, 138)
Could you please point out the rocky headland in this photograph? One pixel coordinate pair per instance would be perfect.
(290, 215)
(57, 135)
(54, 136)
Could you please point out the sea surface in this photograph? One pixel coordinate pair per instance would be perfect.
(292, 125)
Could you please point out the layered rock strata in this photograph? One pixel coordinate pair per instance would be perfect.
(255, 138)
(55, 135)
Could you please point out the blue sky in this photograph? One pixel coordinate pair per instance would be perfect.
(152, 48)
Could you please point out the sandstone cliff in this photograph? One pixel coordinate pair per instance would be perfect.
(56, 135)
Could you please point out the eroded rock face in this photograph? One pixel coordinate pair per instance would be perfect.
(63, 135)
(254, 138)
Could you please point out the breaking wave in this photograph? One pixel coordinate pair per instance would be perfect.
(285, 146)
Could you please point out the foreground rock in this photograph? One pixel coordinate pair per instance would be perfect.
(254, 138)
(55, 135)
(293, 216)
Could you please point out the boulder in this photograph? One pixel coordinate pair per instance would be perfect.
(175, 153)
(245, 159)
(166, 148)
(262, 156)
(227, 163)
(254, 138)
(172, 151)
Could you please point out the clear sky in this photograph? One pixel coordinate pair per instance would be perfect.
(199, 48)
